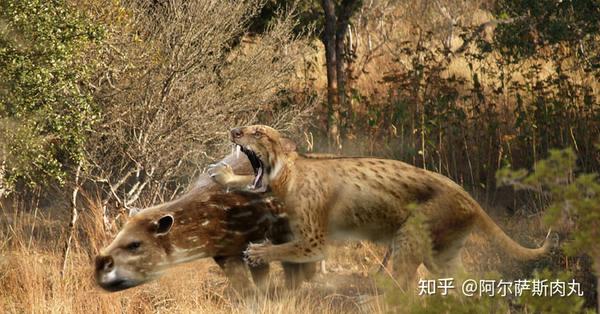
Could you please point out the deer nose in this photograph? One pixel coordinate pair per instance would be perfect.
(104, 263)
(236, 133)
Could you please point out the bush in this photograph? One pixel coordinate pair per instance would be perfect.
(574, 206)
(175, 77)
(46, 109)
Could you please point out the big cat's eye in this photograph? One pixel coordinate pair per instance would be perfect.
(133, 246)
(257, 134)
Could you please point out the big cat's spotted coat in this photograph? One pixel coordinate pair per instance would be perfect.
(365, 199)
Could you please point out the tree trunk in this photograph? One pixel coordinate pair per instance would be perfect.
(419, 83)
(330, 60)
(596, 262)
(339, 65)
(336, 26)
(74, 216)
(3, 188)
(346, 10)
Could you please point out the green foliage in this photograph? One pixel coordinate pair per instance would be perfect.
(501, 110)
(575, 197)
(555, 304)
(309, 14)
(462, 305)
(549, 22)
(575, 204)
(398, 300)
(45, 106)
(451, 303)
(455, 301)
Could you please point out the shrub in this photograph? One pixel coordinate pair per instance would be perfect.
(46, 109)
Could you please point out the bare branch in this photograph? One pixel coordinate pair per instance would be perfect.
(74, 216)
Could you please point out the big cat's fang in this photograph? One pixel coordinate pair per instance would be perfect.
(257, 165)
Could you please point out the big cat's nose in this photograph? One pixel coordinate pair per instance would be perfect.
(104, 263)
(236, 133)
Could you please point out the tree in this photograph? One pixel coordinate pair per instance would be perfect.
(330, 19)
(333, 99)
(337, 18)
(46, 109)
(538, 24)
(176, 76)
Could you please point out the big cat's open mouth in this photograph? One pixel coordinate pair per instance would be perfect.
(257, 164)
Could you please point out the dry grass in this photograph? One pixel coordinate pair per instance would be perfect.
(30, 261)
(32, 284)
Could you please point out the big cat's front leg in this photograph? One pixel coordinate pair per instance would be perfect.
(223, 174)
(307, 245)
(295, 251)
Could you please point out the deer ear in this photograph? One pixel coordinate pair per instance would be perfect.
(288, 145)
(163, 225)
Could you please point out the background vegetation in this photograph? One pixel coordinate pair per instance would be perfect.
(107, 105)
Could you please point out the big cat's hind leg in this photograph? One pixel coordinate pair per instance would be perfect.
(296, 273)
(406, 257)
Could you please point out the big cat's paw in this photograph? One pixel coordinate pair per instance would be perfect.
(221, 173)
(257, 253)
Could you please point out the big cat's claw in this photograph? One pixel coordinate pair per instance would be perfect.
(257, 253)
(220, 172)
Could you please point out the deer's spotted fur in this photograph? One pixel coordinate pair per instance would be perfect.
(204, 222)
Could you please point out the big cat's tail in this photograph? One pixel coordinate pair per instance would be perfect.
(492, 230)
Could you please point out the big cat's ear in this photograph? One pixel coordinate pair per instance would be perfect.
(163, 225)
(288, 145)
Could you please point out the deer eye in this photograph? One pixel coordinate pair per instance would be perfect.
(133, 246)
